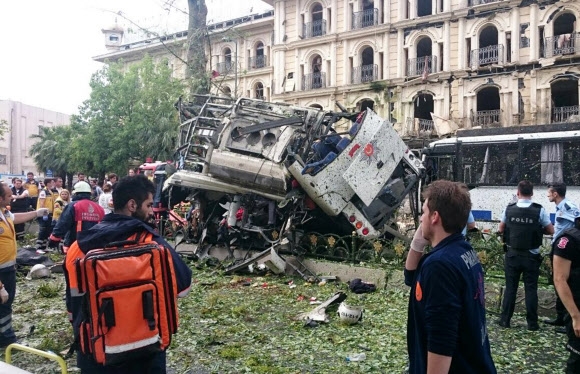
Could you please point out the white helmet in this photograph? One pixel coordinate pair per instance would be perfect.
(350, 314)
(38, 271)
(82, 187)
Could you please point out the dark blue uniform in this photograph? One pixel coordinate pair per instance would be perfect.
(447, 309)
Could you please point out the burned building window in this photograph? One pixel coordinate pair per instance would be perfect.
(259, 90)
(564, 99)
(424, 8)
(488, 112)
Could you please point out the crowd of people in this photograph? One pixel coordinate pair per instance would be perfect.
(446, 327)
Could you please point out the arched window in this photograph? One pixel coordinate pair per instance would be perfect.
(489, 52)
(259, 91)
(316, 78)
(259, 60)
(564, 99)
(488, 108)
(317, 26)
(368, 70)
(565, 38)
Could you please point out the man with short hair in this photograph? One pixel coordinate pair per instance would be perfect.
(566, 261)
(8, 261)
(523, 224)
(80, 215)
(96, 191)
(81, 177)
(33, 188)
(58, 184)
(19, 204)
(446, 327)
(46, 198)
(566, 213)
(133, 202)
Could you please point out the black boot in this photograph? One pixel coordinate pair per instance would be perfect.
(558, 321)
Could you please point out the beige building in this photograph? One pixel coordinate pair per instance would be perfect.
(468, 62)
(22, 121)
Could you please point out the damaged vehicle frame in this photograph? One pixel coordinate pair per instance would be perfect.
(254, 170)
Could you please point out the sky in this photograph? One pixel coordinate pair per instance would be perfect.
(47, 49)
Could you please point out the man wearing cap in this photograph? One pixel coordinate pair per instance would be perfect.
(566, 261)
(81, 214)
(566, 213)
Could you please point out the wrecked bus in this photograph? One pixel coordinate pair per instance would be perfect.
(258, 170)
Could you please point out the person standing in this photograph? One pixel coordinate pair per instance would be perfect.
(46, 198)
(58, 184)
(566, 249)
(8, 261)
(566, 213)
(523, 224)
(33, 188)
(19, 204)
(81, 214)
(133, 202)
(106, 198)
(446, 327)
(61, 201)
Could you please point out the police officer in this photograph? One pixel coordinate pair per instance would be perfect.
(566, 249)
(523, 225)
(566, 213)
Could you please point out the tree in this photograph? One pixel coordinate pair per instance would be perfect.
(52, 150)
(197, 39)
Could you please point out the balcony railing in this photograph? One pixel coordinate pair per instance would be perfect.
(419, 126)
(257, 62)
(479, 2)
(225, 67)
(366, 18)
(561, 114)
(422, 65)
(364, 74)
(492, 54)
(563, 44)
(313, 29)
(486, 118)
(313, 81)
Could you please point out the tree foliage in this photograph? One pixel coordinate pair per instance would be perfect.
(128, 117)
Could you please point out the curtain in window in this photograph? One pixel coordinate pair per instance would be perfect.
(552, 156)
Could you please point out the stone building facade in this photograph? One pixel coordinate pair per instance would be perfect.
(488, 63)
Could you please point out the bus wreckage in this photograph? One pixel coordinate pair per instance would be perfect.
(258, 173)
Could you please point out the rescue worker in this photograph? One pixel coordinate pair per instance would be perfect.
(81, 214)
(566, 249)
(566, 213)
(33, 187)
(523, 225)
(46, 198)
(8, 261)
(133, 202)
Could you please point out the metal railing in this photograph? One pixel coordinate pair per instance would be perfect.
(313, 29)
(492, 54)
(562, 113)
(479, 2)
(257, 62)
(486, 118)
(563, 44)
(225, 67)
(425, 126)
(366, 18)
(364, 74)
(313, 80)
(422, 65)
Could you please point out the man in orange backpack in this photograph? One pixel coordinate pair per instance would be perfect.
(133, 201)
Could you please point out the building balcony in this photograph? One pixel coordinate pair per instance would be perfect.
(257, 62)
(420, 126)
(563, 44)
(486, 118)
(563, 113)
(366, 18)
(224, 68)
(480, 2)
(314, 29)
(313, 81)
(492, 54)
(364, 74)
(422, 65)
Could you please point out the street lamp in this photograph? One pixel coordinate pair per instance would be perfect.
(225, 39)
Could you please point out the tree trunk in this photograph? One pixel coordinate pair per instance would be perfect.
(196, 73)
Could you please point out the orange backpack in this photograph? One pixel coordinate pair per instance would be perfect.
(130, 300)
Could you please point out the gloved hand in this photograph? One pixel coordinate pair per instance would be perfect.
(41, 212)
(4, 295)
(419, 243)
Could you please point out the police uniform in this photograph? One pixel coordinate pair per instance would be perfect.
(7, 275)
(524, 222)
(567, 246)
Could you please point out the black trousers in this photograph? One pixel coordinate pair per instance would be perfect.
(573, 346)
(516, 264)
